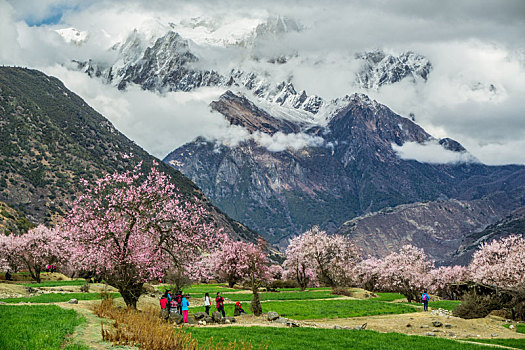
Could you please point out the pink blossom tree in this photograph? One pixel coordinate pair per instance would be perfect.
(276, 272)
(133, 227)
(368, 273)
(332, 257)
(500, 263)
(32, 250)
(226, 263)
(256, 271)
(406, 272)
(440, 279)
(297, 265)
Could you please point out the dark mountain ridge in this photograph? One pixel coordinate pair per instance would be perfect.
(356, 171)
(50, 138)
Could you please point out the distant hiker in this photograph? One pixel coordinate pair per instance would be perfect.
(220, 304)
(164, 307)
(425, 298)
(179, 301)
(207, 303)
(238, 309)
(47, 268)
(185, 305)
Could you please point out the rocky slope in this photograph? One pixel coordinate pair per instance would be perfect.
(353, 171)
(50, 138)
(13, 221)
(512, 224)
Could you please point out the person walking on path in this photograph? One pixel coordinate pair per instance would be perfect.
(425, 298)
(207, 303)
(185, 305)
(220, 304)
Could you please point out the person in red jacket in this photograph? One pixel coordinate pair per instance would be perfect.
(220, 304)
(164, 307)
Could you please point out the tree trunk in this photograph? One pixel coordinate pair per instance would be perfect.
(231, 283)
(34, 272)
(256, 302)
(131, 294)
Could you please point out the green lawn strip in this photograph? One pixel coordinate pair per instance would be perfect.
(513, 343)
(299, 289)
(310, 338)
(57, 297)
(389, 296)
(272, 296)
(57, 283)
(304, 309)
(520, 327)
(37, 327)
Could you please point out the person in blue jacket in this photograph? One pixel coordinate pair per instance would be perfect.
(185, 305)
(425, 298)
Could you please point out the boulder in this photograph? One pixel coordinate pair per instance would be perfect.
(430, 334)
(280, 320)
(272, 316)
(230, 319)
(448, 325)
(200, 315)
(72, 301)
(192, 320)
(437, 323)
(337, 327)
(217, 317)
(207, 319)
(177, 318)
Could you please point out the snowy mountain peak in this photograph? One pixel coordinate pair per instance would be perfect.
(380, 68)
(73, 35)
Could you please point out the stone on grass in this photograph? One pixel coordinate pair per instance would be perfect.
(200, 315)
(448, 325)
(72, 301)
(217, 317)
(177, 318)
(494, 335)
(230, 319)
(430, 334)
(437, 323)
(272, 316)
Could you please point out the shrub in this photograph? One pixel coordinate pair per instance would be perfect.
(277, 284)
(342, 291)
(84, 288)
(475, 306)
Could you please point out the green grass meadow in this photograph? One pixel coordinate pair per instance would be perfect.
(56, 297)
(304, 309)
(325, 339)
(79, 282)
(29, 327)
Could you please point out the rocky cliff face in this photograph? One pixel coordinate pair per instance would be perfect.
(440, 227)
(353, 171)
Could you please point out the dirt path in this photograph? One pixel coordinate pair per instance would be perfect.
(89, 332)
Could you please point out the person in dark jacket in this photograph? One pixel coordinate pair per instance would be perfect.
(219, 301)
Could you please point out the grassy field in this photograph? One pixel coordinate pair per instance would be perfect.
(79, 282)
(304, 309)
(271, 296)
(389, 296)
(37, 327)
(310, 338)
(56, 297)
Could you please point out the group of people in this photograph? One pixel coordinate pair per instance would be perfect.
(51, 268)
(179, 303)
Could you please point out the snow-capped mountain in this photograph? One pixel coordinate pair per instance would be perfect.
(175, 60)
(380, 68)
(73, 35)
(351, 168)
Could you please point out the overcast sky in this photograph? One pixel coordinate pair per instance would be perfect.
(471, 44)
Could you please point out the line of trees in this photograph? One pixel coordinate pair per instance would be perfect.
(134, 227)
